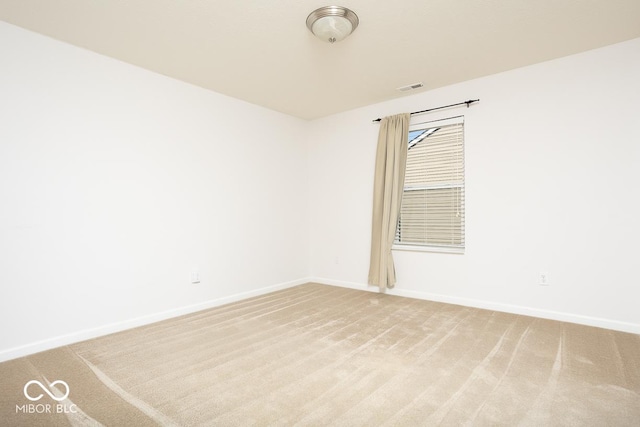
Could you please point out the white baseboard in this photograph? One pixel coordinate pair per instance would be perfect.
(111, 328)
(489, 305)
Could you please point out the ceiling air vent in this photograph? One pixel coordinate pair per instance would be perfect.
(410, 87)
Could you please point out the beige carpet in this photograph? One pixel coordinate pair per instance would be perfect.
(318, 355)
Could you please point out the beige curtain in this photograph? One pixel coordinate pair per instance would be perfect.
(391, 159)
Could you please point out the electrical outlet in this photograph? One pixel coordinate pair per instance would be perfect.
(195, 277)
(543, 279)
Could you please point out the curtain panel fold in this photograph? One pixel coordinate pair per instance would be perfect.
(388, 185)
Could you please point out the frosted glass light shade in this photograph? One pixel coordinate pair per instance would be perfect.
(332, 23)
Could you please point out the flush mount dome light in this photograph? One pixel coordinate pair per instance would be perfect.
(332, 23)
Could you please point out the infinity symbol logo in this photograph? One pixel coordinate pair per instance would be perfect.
(46, 390)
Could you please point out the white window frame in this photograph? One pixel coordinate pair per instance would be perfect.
(435, 247)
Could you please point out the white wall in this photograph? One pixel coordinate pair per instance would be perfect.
(116, 182)
(552, 166)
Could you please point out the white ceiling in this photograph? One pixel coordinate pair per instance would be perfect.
(261, 51)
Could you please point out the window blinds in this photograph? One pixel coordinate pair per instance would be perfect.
(432, 210)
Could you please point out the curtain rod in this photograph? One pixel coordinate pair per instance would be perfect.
(469, 102)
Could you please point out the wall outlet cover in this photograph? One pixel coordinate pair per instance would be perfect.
(543, 279)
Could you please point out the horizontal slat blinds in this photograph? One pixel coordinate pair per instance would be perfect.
(432, 210)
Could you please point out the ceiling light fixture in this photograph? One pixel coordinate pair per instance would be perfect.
(332, 23)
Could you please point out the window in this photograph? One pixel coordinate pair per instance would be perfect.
(432, 210)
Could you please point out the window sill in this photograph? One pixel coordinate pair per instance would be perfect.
(436, 249)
